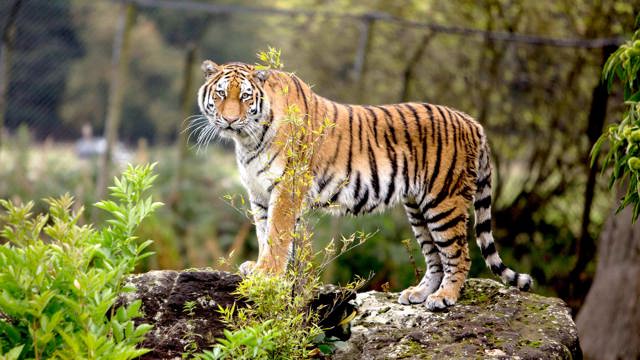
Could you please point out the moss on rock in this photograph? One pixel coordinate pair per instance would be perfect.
(490, 321)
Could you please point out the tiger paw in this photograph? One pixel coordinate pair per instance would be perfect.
(440, 300)
(413, 295)
(247, 267)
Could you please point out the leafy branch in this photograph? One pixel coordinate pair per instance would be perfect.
(623, 155)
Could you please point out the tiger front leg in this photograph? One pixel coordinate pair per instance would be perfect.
(259, 211)
(284, 208)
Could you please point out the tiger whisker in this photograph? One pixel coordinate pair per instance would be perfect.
(196, 123)
(197, 131)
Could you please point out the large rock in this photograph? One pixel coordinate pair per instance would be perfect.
(183, 308)
(489, 321)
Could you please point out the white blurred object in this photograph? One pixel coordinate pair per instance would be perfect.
(90, 147)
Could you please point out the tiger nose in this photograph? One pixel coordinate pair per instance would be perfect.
(231, 119)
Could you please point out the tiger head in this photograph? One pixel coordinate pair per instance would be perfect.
(232, 101)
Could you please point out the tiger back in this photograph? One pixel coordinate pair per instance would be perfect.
(433, 160)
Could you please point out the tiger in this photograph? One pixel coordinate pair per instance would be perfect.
(432, 159)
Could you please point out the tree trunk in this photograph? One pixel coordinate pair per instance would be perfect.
(410, 69)
(360, 66)
(609, 321)
(584, 245)
(119, 64)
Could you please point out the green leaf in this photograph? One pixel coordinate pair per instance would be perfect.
(14, 353)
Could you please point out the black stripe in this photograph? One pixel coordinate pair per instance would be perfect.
(449, 224)
(301, 94)
(315, 106)
(270, 188)
(514, 281)
(484, 203)
(394, 169)
(431, 122)
(334, 117)
(446, 186)
(334, 157)
(270, 162)
(334, 197)
(262, 206)
(445, 122)
(405, 172)
(436, 166)
(441, 215)
(436, 201)
(356, 190)
(433, 250)
(498, 268)
(262, 144)
(455, 255)
(205, 95)
(375, 123)
(253, 157)
(417, 159)
(422, 199)
(448, 242)
(362, 202)
(389, 123)
(412, 205)
(482, 183)
(416, 118)
(349, 158)
(483, 227)
(265, 128)
(419, 223)
(407, 136)
(373, 165)
(360, 134)
(322, 183)
(488, 250)
(415, 216)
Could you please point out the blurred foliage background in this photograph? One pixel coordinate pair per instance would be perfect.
(541, 102)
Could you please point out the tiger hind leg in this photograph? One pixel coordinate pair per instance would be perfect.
(448, 225)
(433, 273)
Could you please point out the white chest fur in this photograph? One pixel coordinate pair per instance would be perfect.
(258, 174)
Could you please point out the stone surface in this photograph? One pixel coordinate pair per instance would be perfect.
(164, 294)
(490, 321)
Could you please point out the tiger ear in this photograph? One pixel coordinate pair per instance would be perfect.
(262, 75)
(209, 68)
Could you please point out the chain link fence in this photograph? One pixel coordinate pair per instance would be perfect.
(73, 69)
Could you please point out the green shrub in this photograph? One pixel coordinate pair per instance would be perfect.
(276, 324)
(60, 280)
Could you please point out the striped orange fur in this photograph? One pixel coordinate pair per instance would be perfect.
(432, 159)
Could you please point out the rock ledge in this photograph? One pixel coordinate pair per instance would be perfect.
(490, 321)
